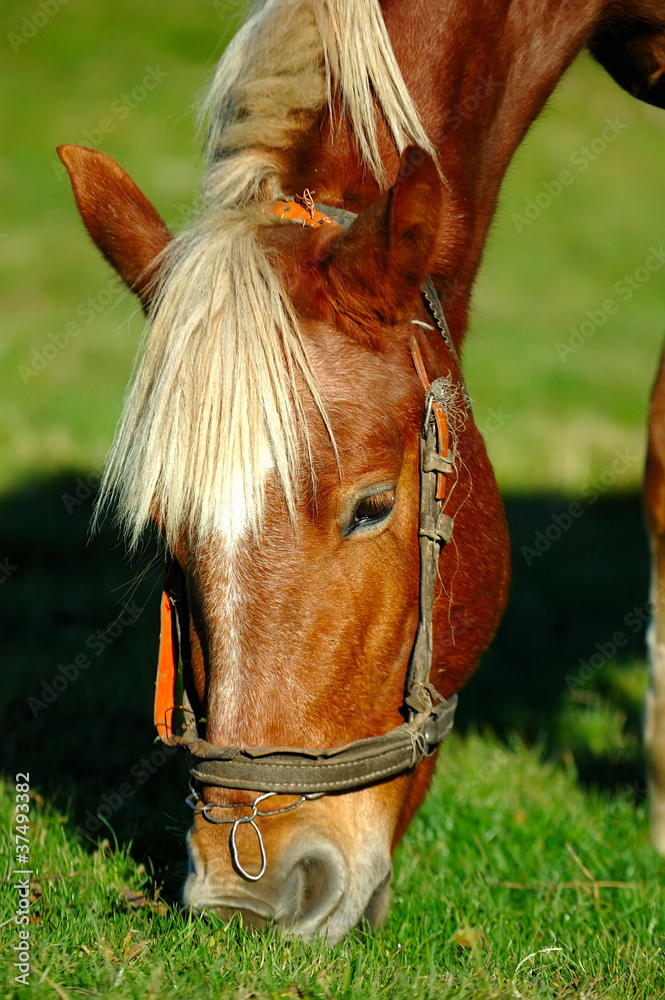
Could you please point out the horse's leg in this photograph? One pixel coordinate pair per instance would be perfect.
(654, 497)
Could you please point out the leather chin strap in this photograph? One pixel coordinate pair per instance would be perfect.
(297, 771)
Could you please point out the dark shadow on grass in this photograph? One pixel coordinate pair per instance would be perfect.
(577, 613)
(86, 736)
(79, 625)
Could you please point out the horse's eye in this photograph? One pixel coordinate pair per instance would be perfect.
(372, 510)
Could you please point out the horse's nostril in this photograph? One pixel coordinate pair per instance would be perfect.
(316, 884)
(377, 908)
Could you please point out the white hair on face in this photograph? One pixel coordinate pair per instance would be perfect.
(215, 399)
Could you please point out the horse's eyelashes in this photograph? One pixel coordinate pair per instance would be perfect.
(372, 510)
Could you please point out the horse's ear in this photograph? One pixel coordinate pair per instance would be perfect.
(120, 219)
(383, 258)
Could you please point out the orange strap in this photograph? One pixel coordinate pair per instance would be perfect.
(167, 668)
(439, 416)
(303, 212)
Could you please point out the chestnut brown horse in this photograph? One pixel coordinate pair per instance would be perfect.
(275, 433)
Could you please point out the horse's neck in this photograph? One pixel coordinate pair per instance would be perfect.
(480, 74)
(495, 65)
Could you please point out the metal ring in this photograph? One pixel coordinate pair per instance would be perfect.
(205, 809)
(234, 849)
(276, 812)
(194, 802)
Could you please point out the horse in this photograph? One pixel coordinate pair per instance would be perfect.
(298, 429)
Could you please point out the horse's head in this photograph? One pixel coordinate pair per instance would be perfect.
(302, 575)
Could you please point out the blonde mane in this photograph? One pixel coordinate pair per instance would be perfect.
(215, 398)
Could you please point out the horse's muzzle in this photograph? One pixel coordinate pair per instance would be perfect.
(310, 887)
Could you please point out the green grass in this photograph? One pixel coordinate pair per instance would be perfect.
(499, 892)
(573, 770)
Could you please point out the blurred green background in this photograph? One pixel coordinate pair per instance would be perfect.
(553, 427)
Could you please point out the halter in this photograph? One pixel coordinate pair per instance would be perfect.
(312, 773)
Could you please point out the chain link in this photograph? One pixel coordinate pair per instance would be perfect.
(194, 803)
